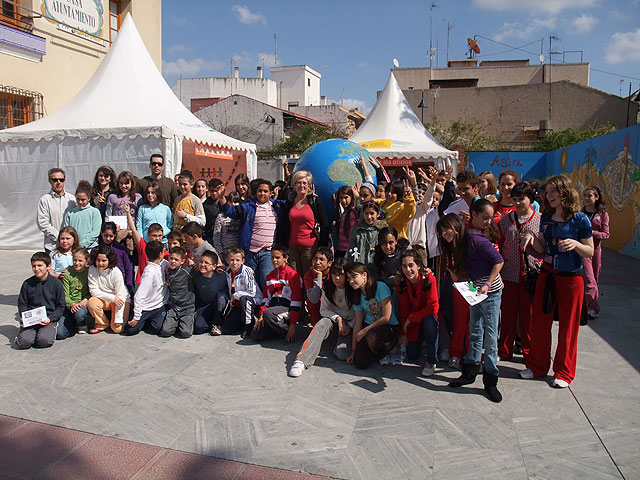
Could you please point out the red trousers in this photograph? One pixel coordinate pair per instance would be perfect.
(516, 303)
(459, 326)
(569, 297)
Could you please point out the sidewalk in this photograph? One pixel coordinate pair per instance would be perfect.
(230, 399)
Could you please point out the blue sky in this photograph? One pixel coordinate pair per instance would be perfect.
(352, 43)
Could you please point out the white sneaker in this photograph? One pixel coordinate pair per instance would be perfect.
(384, 360)
(527, 374)
(454, 362)
(428, 370)
(296, 369)
(444, 356)
(557, 383)
(592, 314)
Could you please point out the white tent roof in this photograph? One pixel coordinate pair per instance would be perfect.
(392, 129)
(126, 96)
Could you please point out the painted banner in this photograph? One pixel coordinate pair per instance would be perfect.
(209, 162)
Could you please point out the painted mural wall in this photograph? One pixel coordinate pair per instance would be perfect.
(609, 162)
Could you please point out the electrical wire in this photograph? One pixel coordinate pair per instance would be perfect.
(616, 74)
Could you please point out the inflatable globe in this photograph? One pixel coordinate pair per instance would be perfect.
(334, 163)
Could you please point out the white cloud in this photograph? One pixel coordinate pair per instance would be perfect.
(192, 67)
(361, 105)
(584, 23)
(178, 48)
(533, 6)
(623, 47)
(248, 17)
(524, 30)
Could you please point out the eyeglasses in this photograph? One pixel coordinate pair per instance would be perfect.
(156, 164)
(55, 180)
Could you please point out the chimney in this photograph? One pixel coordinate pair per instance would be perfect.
(259, 72)
(236, 72)
(323, 100)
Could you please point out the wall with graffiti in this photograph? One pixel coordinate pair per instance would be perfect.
(609, 161)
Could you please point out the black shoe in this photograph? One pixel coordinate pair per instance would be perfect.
(469, 374)
(491, 387)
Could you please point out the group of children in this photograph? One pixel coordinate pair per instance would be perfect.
(386, 291)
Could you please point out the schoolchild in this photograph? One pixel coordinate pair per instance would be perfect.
(188, 207)
(226, 229)
(399, 205)
(108, 234)
(364, 236)
(76, 296)
(108, 291)
(472, 256)
(314, 280)
(182, 300)
(335, 311)
(387, 256)
(237, 304)
(62, 257)
(83, 217)
(175, 239)
(347, 214)
(506, 181)
(192, 237)
(151, 295)
(154, 233)
(125, 194)
(40, 290)
(282, 299)
(418, 312)
(375, 327)
(208, 282)
(417, 229)
(153, 211)
(594, 208)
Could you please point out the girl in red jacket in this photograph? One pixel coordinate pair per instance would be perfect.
(418, 298)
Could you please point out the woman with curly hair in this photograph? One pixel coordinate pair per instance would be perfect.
(565, 239)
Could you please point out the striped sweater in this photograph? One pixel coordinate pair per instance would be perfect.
(284, 289)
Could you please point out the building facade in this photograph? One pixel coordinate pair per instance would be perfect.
(50, 48)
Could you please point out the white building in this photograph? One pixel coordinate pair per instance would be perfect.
(297, 85)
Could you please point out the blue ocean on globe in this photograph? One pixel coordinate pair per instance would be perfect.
(334, 163)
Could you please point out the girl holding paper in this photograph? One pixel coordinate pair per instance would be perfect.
(471, 255)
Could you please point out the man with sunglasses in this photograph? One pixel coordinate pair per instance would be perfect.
(168, 191)
(52, 207)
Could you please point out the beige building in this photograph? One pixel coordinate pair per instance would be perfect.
(50, 48)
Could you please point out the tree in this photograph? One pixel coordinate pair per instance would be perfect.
(301, 139)
(570, 136)
(472, 136)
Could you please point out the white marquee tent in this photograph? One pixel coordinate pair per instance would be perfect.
(124, 113)
(393, 131)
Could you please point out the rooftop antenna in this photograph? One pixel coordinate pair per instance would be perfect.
(449, 28)
(473, 47)
(396, 63)
(432, 5)
(275, 49)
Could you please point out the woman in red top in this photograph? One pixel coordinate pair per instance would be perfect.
(506, 181)
(418, 300)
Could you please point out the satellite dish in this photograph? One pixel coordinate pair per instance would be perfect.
(542, 58)
(396, 63)
(473, 47)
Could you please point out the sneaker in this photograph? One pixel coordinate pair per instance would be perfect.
(454, 362)
(557, 383)
(428, 370)
(592, 314)
(527, 374)
(444, 356)
(296, 369)
(82, 329)
(384, 360)
(215, 331)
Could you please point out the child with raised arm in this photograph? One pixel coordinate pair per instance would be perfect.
(76, 296)
(188, 207)
(282, 300)
(153, 234)
(108, 291)
(40, 290)
(182, 300)
(152, 295)
(237, 304)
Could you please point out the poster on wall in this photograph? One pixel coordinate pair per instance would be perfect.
(209, 162)
(83, 18)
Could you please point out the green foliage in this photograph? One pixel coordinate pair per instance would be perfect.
(472, 136)
(570, 136)
(301, 139)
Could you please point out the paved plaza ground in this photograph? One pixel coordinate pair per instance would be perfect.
(231, 399)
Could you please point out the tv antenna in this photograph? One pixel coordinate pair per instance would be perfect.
(474, 49)
(396, 63)
(275, 50)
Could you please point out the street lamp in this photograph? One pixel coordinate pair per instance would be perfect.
(422, 106)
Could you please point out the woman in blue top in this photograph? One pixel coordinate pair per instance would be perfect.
(376, 326)
(565, 238)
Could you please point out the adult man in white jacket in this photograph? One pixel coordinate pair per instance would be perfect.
(52, 207)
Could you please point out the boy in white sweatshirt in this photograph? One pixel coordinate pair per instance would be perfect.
(152, 295)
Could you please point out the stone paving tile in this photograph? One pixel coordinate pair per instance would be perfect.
(170, 465)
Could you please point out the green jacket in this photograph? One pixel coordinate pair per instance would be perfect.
(362, 243)
(76, 286)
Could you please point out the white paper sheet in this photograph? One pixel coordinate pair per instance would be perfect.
(469, 293)
(119, 220)
(34, 317)
(457, 206)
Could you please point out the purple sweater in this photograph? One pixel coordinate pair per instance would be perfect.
(481, 255)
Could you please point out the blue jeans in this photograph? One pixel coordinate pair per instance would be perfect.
(430, 332)
(261, 265)
(150, 321)
(204, 318)
(483, 325)
(69, 322)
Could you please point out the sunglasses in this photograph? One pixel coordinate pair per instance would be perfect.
(156, 164)
(61, 180)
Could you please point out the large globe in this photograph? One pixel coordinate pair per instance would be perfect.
(334, 163)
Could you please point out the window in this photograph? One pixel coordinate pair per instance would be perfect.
(293, 104)
(10, 15)
(18, 107)
(114, 18)
(308, 82)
